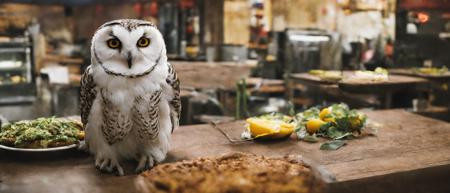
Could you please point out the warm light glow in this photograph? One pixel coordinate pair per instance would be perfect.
(309, 38)
(423, 17)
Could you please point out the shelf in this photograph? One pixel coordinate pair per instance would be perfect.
(63, 59)
(12, 84)
(17, 99)
(13, 69)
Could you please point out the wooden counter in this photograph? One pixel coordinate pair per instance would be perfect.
(410, 153)
(216, 75)
(409, 72)
(393, 84)
(310, 79)
(382, 89)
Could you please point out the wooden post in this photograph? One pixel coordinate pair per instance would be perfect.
(213, 13)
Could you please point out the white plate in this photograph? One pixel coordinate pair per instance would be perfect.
(39, 150)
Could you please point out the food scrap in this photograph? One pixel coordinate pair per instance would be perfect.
(378, 75)
(336, 122)
(431, 70)
(272, 126)
(327, 75)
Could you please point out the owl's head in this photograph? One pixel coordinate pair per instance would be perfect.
(127, 47)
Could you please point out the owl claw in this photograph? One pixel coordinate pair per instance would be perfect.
(104, 164)
(146, 162)
(108, 165)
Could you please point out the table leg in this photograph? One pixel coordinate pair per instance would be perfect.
(54, 98)
(388, 100)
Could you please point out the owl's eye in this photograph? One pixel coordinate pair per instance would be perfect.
(113, 43)
(143, 42)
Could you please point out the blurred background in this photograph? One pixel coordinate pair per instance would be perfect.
(236, 58)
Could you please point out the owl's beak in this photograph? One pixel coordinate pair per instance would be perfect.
(129, 60)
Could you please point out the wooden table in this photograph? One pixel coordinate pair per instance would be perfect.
(410, 153)
(385, 89)
(409, 72)
(220, 77)
(382, 89)
(263, 85)
(313, 86)
(439, 87)
(216, 75)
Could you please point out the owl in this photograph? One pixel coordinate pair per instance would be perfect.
(130, 96)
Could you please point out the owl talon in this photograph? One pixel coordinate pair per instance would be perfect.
(104, 164)
(108, 165)
(98, 162)
(146, 162)
(120, 170)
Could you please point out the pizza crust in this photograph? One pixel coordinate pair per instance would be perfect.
(235, 172)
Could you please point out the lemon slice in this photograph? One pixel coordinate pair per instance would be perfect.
(274, 129)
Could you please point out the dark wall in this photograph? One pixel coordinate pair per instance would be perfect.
(413, 49)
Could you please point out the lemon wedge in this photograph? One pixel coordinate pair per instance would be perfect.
(265, 128)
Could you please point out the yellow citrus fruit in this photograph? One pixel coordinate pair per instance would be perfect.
(313, 125)
(355, 123)
(325, 113)
(269, 128)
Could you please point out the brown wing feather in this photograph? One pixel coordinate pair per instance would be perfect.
(146, 114)
(116, 123)
(175, 103)
(87, 94)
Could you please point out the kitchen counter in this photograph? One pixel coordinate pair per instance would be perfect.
(214, 75)
(384, 90)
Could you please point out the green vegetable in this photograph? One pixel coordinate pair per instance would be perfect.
(311, 138)
(41, 133)
(332, 145)
(342, 122)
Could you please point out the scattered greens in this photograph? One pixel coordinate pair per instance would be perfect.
(41, 133)
(336, 122)
(332, 145)
(339, 122)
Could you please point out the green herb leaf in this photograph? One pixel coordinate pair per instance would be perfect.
(333, 133)
(344, 135)
(332, 145)
(311, 138)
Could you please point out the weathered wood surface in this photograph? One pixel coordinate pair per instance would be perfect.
(329, 90)
(410, 72)
(410, 153)
(216, 75)
(394, 83)
(309, 78)
(263, 85)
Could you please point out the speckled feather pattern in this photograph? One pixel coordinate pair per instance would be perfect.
(145, 114)
(129, 116)
(116, 123)
(175, 103)
(87, 94)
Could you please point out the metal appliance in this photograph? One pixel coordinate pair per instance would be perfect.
(422, 33)
(302, 49)
(17, 73)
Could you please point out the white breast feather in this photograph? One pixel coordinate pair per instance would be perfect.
(122, 93)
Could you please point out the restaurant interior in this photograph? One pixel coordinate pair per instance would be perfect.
(227, 96)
